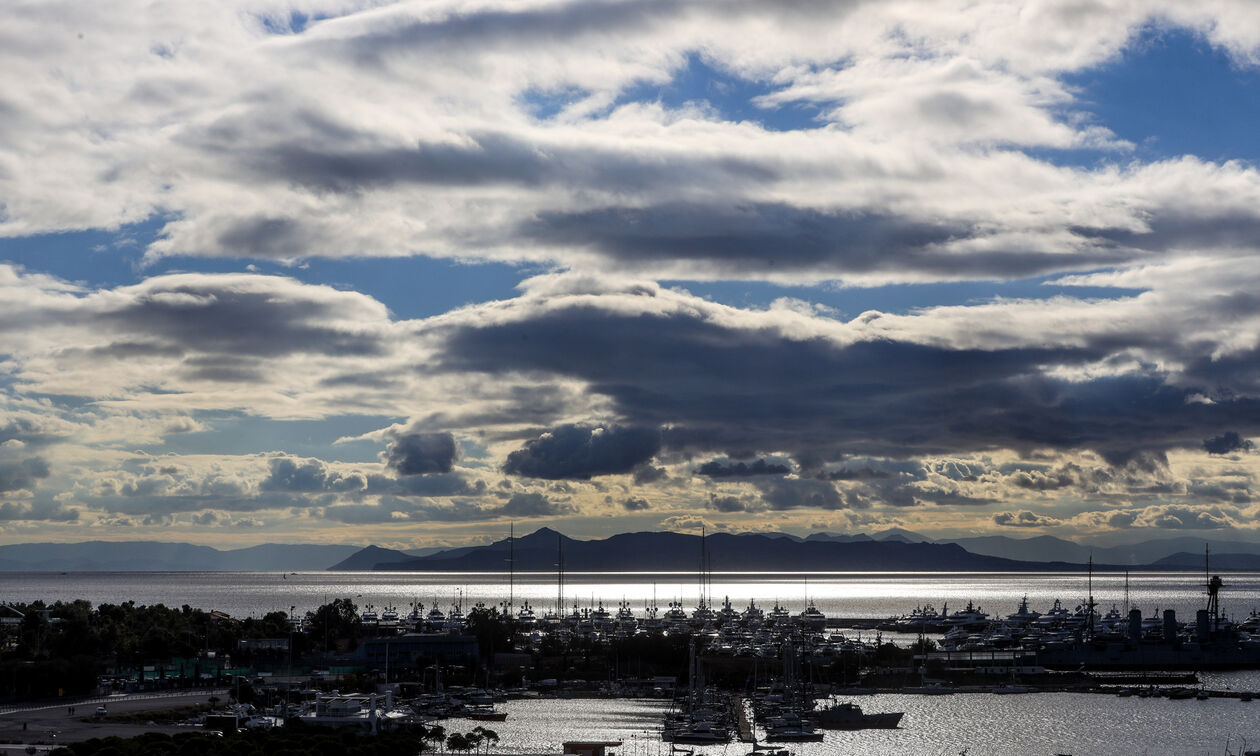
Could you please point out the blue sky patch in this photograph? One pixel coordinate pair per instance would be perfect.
(1172, 93)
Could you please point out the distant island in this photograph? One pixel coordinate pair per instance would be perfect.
(886, 551)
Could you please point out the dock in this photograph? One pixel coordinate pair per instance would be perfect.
(746, 732)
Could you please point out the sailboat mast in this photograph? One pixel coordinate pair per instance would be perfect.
(1126, 593)
(511, 565)
(701, 574)
(1089, 602)
(560, 576)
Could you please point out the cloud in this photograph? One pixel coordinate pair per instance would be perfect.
(306, 476)
(793, 493)
(935, 382)
(22, 512)
(422, 453)
(1226, 443)
(717, 469)
(580, 451)
(645, 474)
(635, 504)
(1024, 519)
(731, 504)
(22, 474)
(532, 504)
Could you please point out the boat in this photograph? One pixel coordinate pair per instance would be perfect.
(1023, 615)
(1006, 690)
(484, 713)
(525, 617)
(753, 615)
(789, 727)
(849, 716)
(930, 689)
(812, 618)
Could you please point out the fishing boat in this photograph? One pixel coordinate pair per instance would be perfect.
(849, 716)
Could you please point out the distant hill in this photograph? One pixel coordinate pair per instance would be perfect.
(368, 557)
(1040, 548)
(1220, 562)
(153, 556)
(677, 552)
(838, 537)
(901, 534)
(1049, 548)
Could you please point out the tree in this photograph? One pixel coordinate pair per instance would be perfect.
(434, 734)
(487, 736)
(334, 626)
(457, 742)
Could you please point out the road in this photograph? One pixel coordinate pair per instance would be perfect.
(49, 724)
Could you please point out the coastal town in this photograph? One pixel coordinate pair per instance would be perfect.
(445, 676)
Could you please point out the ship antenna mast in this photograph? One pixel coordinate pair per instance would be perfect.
(1126, 593)
(1089, 605)
(560, 576)
(511, 565)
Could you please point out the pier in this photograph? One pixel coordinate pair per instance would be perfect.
(746, 732)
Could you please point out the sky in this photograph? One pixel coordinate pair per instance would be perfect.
(414, 273)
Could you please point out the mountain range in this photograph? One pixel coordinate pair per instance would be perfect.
(888, 550)
(679, 552)
(123, 556)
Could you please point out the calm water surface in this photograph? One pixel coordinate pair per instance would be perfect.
(980, 724)
(853, 594)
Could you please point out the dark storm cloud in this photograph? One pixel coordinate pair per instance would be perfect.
(22, 474)
(788, 493)
(759, 238)
(31, 431)
(266, 236)
(532, 504)
(214, 316)
(581, 451)
(459, 33)
(718, 387)
(1023, 519)
(393, 509)
(223, 369)
(436, 484)
(644, 474)
(307, 476)
(712, 386)
(482, 159)
(41, 512)
(1172, 228)
(1179, 517)
(635, 505)
(718, 469)
(727, 504)
(422, 453)
(855, 473)
(1226, 443)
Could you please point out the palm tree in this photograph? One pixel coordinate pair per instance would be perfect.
(434, 734)
(457, 742)
(490, 737)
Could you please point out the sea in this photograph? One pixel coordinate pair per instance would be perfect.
(837, 594)
(967, 724)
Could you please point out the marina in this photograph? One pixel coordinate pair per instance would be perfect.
(785, 674)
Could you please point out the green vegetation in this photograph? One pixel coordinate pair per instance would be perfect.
(61, 648)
